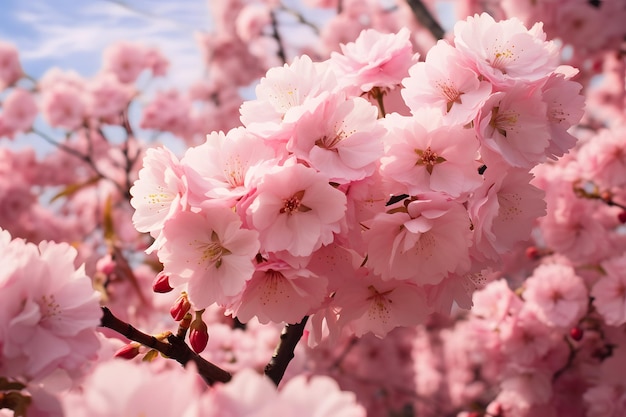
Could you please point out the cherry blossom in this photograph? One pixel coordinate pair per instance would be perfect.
(212, 254)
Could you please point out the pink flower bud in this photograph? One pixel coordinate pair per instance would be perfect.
(198, 335)
(162, 283)
(180, 308)
(128, 352)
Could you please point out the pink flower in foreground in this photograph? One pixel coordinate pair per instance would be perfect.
(50, 310)
(280, 95)
(370, 304)
(340, 137)
(280, 293)
(221, 168)
(252, 395)
(443, 82)
(210, 252)
(514, 125)
(375, 60)
(423, 243)
(505, 51)
(443, 159)
(556, 295)
(127, 388)
(609, 293)
(160, 191)
(295, 209)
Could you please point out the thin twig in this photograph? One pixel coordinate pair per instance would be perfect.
(279, 41)
(289, 338)
(175, 348)
(426, 19)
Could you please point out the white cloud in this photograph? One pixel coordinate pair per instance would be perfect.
(71, 34)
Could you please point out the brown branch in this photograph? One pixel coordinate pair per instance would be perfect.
(277, 37)
(426, 19)
(289, 338)
(176, 349)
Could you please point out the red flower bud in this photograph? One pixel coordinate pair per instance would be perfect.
(576, 333)
(622, 216)
(198, 335)
(533, 253)
(180, 307)
(162, 283)
(128, 352)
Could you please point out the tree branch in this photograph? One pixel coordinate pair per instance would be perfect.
(426, 19)
(176, 349)
(276, 35)
(289, 338)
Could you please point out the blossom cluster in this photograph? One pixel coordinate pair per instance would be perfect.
(324, 204)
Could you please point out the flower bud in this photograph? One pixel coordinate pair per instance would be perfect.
(576, 333)
(198, 334)
(622, 216)
(162, 283)
(180, 307)
(128, 351)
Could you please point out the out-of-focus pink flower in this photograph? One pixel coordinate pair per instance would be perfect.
(252, 395)
(49, 310)
(19, 110)
(556, 294)
(609, 293)
(10, 67)
(130, 388)
(126, 60)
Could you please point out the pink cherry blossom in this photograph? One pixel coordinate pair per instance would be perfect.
(160, 191)
(432, 232)
(279, 293)
(505, 51)
(375, 60)
(295, 209)
(126, 60)
(63, 105)
(222, 167)
(556, 295)
(370, 304)
(280, 94)
(443, 82)
(50, 310)
(19, 110)
(443, 159)
(514, 125)
(340, 137)
(503, 211)
(209, 252)
(127, 388)
(10, 67)
(108, 97)
(252, 395)
(609, 293)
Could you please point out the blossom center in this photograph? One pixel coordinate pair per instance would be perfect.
(213, 252)
(503, 121)
(451, 94)
(428, 158)
(294, 204)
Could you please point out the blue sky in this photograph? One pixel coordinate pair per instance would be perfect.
(71, 34)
